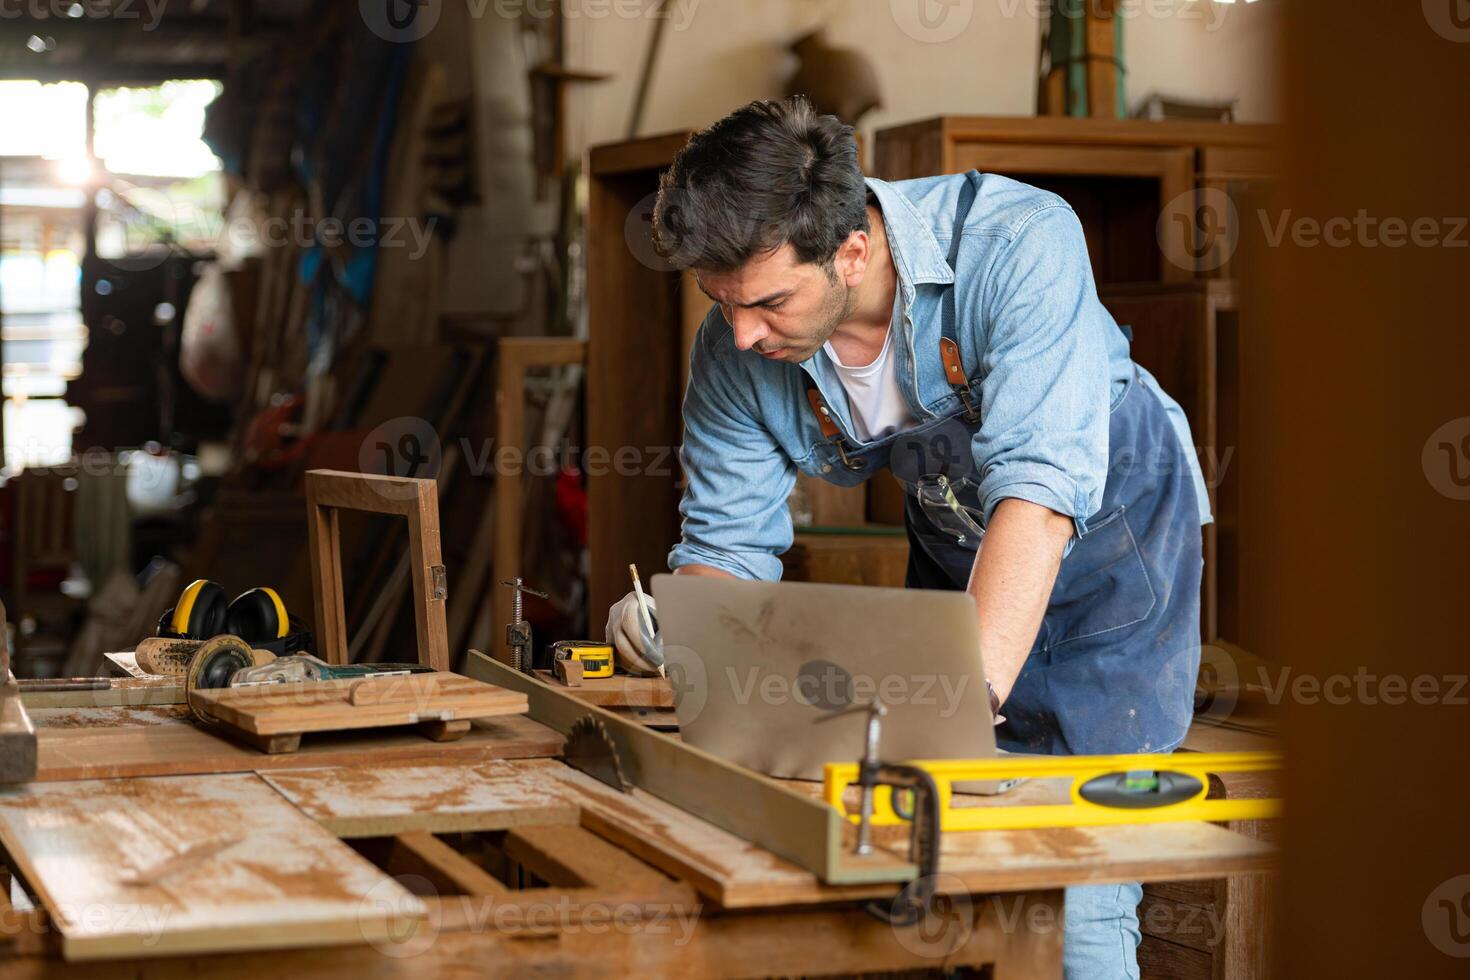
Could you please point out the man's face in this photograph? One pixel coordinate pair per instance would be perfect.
(783, 307)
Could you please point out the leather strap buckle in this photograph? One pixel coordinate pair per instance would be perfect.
(830, 431)
(954, 373)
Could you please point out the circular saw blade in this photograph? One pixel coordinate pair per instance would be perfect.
(590, 749)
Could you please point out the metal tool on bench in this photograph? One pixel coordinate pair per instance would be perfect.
(917, 788)
(1106, 789)
(518, 631)
(228, 661)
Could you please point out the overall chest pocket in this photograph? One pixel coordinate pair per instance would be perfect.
(1103, 585)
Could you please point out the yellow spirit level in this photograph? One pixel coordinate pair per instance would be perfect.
(1106, 789)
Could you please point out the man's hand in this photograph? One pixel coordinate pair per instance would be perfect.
(625, 630)
(1012, 582)
(629, 638)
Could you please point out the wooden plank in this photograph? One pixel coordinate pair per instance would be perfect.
(285, 883)
(457, 870)
(573, 857)
(363, 801)
(1070, 130)
(183, 747)
(620, 691)
(109, 716)
(336, 705)
(324, 536)
(675, 939)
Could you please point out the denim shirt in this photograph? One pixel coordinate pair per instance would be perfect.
(1045, 359)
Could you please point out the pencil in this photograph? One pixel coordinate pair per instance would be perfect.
(643, 608)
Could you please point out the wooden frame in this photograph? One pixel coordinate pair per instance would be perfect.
(327, 492)
(517, 355)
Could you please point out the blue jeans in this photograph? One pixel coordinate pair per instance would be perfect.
(1101, 933)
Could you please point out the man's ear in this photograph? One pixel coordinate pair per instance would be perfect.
(851, 260)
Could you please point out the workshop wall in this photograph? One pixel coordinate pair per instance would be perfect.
(980, 58)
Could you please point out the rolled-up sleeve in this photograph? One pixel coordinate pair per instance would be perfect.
(1044, 435)
(734, 509)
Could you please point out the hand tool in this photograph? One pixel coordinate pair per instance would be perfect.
(171, 656)
(36, 686)
(917, 788)
(595, 656)
(518, 631)
(653, 647)
(1106, 789)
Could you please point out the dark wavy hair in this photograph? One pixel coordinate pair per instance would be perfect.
(767, 174)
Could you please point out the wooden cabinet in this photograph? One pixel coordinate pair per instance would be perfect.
(1121, 177)
(635, 371)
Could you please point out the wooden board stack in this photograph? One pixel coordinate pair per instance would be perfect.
(273, 717)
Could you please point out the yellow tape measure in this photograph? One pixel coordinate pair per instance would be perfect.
(1106, 789)
(596, 658)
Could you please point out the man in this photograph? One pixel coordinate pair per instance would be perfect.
(947, 329)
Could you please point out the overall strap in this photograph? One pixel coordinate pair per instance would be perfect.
(949, 347)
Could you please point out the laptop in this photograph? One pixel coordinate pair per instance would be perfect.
(763, 671)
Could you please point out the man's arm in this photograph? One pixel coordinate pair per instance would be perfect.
(1042, 449)
(734, 509)
(704, 570)
(1011, 582)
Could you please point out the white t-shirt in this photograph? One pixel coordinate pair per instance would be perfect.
(873, 396)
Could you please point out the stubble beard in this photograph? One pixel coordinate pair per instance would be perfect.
(836, 307)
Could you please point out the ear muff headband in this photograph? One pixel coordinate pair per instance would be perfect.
(200, 612)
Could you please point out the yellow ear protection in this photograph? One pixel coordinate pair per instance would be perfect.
(258, 616)
(200, 612)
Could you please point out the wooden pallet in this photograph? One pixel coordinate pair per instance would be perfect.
(273, 717)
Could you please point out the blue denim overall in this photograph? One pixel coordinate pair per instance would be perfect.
(1114, 663)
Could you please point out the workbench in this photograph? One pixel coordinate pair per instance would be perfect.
(386, 855)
